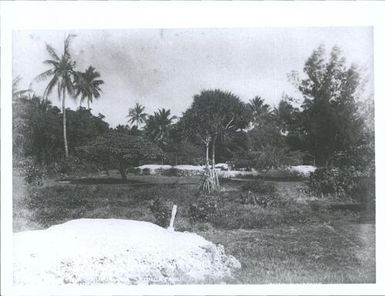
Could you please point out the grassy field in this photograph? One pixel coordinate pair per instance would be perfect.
(297, 242)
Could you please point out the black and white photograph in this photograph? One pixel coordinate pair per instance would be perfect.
(193, 156)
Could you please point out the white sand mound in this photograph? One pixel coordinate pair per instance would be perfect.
(188, 167)
(113, 251)
(304, 170)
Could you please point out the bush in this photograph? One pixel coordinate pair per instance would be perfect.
(338, 182)
(260, 186)
(173, 172)
(31, 172)
(70, 166)
(146, 172)
(365, 191)
(203, 209)
(261, 193)
(161, 209)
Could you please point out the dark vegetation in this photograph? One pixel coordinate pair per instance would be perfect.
(298, 231)
(298, 240)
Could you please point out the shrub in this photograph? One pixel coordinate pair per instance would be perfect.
(260, 186)
(146, 172)
(161, 209)
(203, 209)
(365, 191)
(172, 172)
(337, 182)
(31, 172)
(69, 166)
(261, 193)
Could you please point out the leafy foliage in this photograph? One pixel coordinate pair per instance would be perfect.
(267, 146)
(212, 116)
(203, 209)
(120, 150)
(261, 193)
(87, 85)
(338, 182)
(136, 116)
(330, 119)
(37, 130)
(158, 127)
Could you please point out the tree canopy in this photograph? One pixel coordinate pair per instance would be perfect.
(212, 115)
(120, 150)
(330, 120)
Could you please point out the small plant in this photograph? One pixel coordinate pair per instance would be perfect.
(337, 182)
(33, 174)
(146, 172)
(261, 193)
(172, 172)
(203, 209)
(161, 209)
(260, 186)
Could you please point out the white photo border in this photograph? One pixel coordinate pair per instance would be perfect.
(70, 15)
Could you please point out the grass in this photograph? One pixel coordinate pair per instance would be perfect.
(294, 243)
(301, 254)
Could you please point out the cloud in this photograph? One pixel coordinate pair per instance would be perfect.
(166, 67)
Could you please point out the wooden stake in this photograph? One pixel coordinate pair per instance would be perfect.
(173, 214)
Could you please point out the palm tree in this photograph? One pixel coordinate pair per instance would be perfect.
(259, 110)
(87, 85)
(158, 126)
(62, 73)
(136, 115)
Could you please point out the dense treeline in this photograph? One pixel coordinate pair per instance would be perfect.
(329, 129)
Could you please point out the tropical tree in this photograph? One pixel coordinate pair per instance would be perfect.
(87, 85)
(36, 130)
(120, 150)
(62, 75)
(260, 111)
(331, 122)
(136, 116)
(159, 125)
(213, 115)
(267, 148)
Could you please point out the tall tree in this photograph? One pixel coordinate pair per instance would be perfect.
(87, 85)
(36, 130)
(136, 116)
(330, 119)
(61, 74)
(260, 111)
(212, 115)
(159, 125)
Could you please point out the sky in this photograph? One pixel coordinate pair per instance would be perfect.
(167, 67)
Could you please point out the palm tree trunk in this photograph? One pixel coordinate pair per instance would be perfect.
(64, 125)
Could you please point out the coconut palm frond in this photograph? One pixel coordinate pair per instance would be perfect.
(44, 75)
(51, 62)
(67, 44)
(50, 87)
(68, 84)
(52, 52)
(86, 84)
